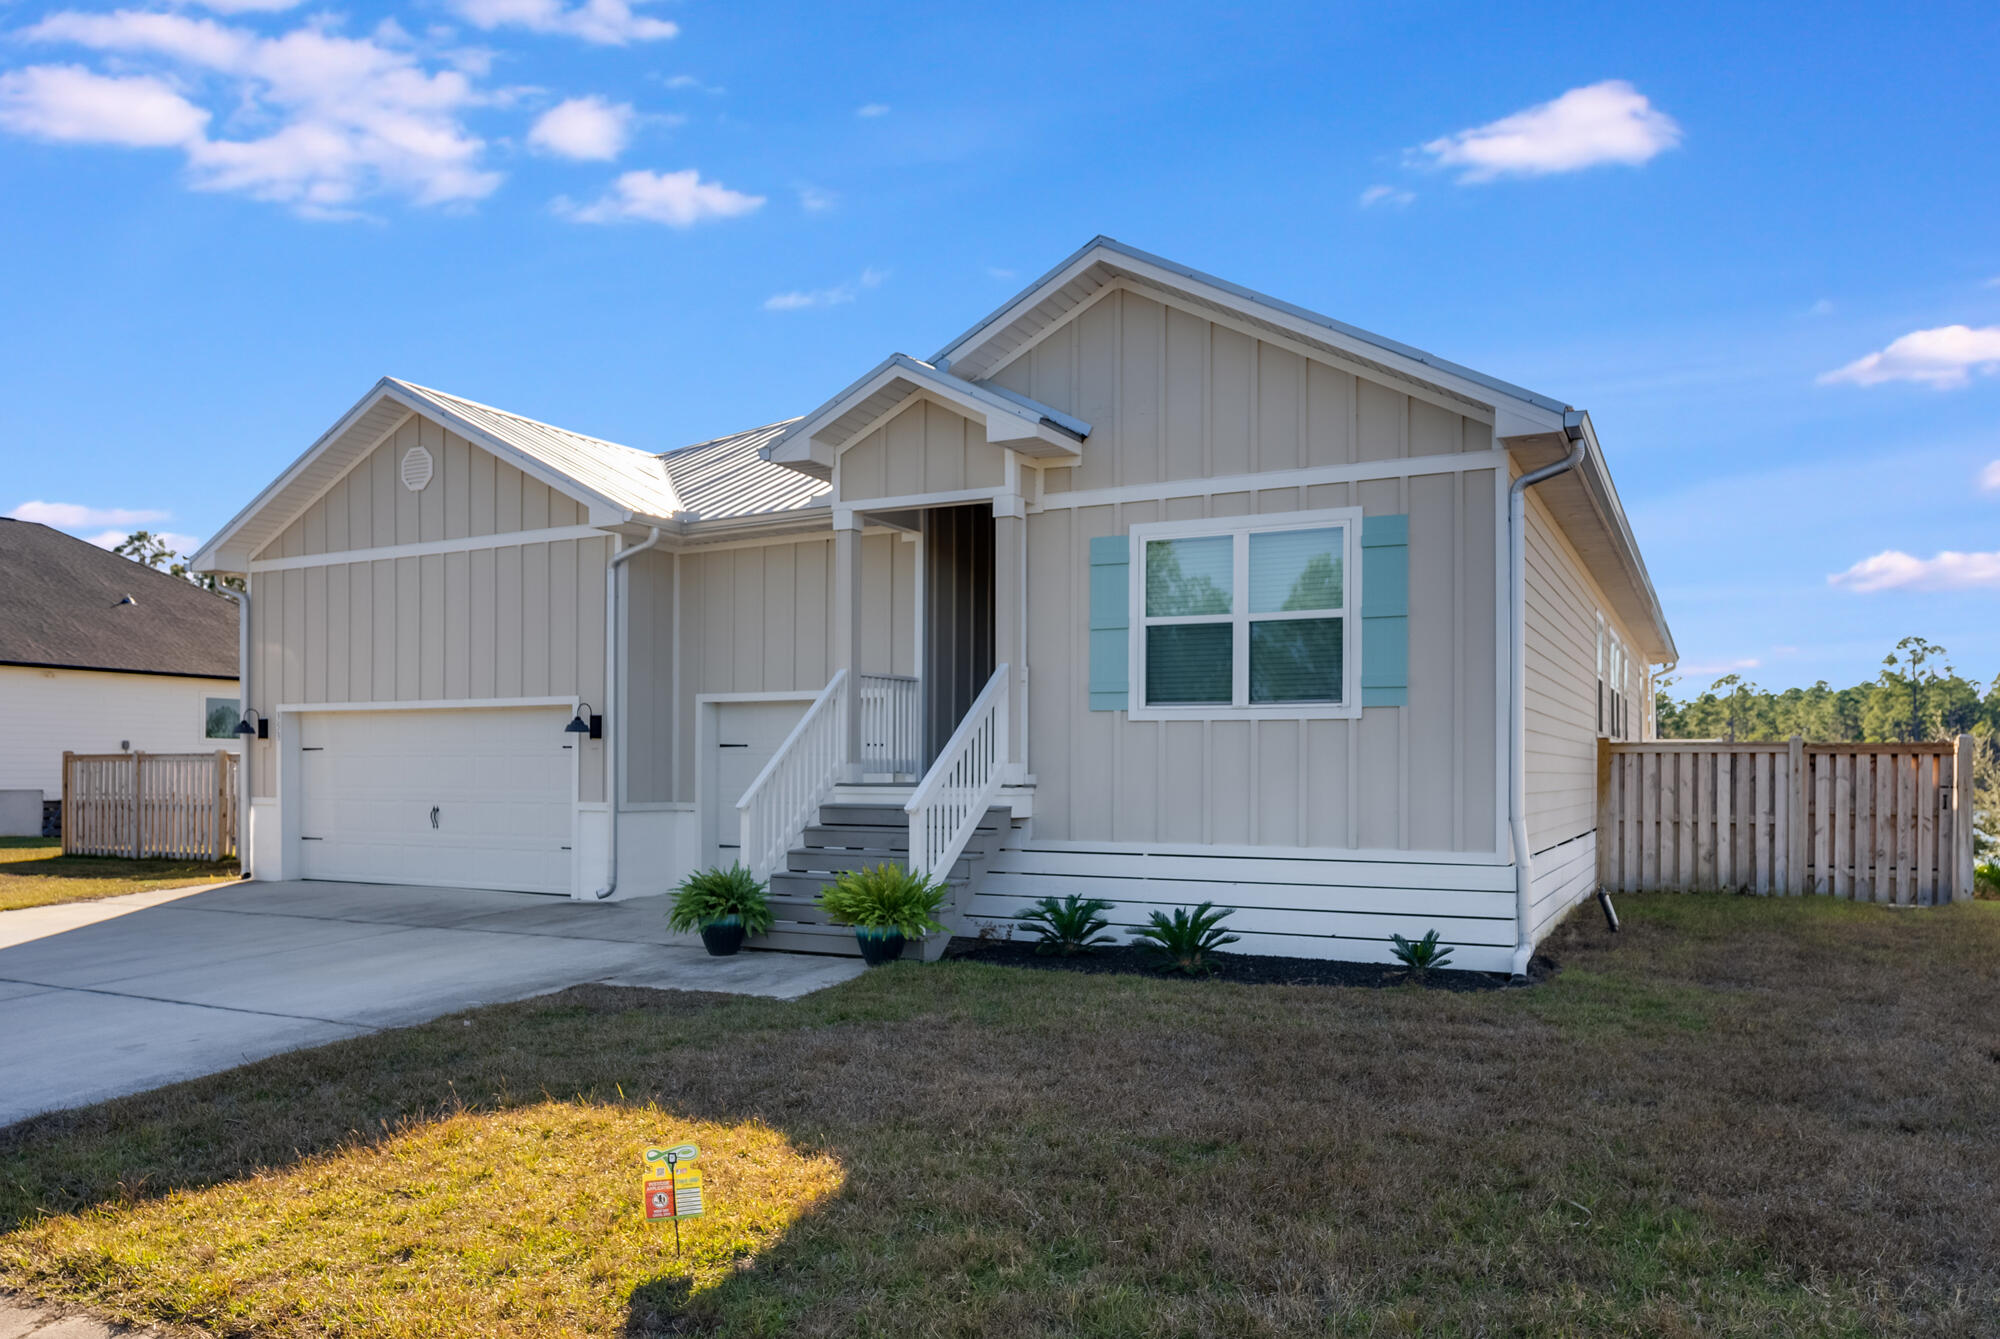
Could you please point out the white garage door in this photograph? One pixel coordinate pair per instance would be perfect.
(744, 737)
(474, 798)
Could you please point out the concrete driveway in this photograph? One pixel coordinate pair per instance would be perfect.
(172, 989)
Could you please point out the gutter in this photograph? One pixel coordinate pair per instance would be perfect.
(244, 706)
(612, 706)
(1517, 700)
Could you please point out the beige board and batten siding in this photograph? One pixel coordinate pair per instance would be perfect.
(753, 619)
(513, 621)
(1560, 626)
(923, 447)
(1172, 395)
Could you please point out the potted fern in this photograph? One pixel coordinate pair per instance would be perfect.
(887, 905)
(725, 905)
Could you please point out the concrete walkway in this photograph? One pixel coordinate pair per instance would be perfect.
(181, 986)
(25, 1320)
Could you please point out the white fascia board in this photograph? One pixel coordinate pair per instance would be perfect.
(1009, 419)
(1404, 359)
(215, 555)
(206, 557)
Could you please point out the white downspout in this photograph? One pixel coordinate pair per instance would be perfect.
(1517, 709)
(242, 599)
(612, 706)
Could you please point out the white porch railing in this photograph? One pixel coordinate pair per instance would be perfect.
(797, 780)
(891, 724)
(962, 784)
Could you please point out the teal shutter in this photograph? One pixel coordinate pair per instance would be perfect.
(1110, 623)
(1385, 611)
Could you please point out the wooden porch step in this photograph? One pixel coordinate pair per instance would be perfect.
(794, 890)
(799, 937)
(891, 839)
(838, 860)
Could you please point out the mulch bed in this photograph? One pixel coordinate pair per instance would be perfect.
(1248, 969)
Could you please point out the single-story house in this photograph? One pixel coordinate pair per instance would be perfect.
(1146, 586)
(99, 654)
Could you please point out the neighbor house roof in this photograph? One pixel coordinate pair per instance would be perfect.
(62, 606)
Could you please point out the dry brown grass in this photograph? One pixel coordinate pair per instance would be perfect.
(1739, 1116)
(35, 873)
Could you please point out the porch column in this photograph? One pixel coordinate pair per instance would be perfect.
(1010, 624)
(846, 627)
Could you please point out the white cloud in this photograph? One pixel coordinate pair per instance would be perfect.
(328, 119)
(814, 200)
(1386, 195)
(682, 81)
(75, 516)
(870, 110)
(178, 543)
(603, 22)
(1717, 667)
(1608, 122)
(1943, 358)
(801, 299)
(1824, 307)
(1000, 272)
(1893, 569)
(587, 129)
(678, 199)
(1989, 478)
(71, 104)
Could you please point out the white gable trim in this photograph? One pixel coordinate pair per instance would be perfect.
(1519, 409)
(288, 496)
(1010, 420)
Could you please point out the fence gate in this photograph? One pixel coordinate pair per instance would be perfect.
(1874, 822)
(174, 806)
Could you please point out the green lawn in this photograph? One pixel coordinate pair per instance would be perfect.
(1740, 1116)
(35, 873)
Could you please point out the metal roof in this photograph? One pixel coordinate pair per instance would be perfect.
(980, 351)
(728, 476)
(624, 475)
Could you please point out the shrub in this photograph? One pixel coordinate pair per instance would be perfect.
(1067, 925)
(885, 897)
(1421, 956)
(1986, 880)
(1185, 939)
(712, 894)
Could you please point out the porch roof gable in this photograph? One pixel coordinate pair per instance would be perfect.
(810, 444)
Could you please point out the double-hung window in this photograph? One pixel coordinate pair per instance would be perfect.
(1246, 616)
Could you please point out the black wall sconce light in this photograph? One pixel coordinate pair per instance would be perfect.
(262, 729)
(585, 723)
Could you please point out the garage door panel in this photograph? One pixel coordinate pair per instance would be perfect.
(474, 797)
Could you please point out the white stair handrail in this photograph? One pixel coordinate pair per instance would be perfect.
(775, 809)
(891, 717)
(962, 784)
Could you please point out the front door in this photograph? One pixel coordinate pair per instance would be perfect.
(958, 617)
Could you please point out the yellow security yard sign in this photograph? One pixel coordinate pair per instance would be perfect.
(670, 1186)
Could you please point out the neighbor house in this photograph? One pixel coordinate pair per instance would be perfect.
(1146, 586)
(99, 654)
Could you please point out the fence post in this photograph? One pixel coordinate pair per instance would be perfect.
(1796, 832)
(69, 767)
(138, 802)
(1964, 812)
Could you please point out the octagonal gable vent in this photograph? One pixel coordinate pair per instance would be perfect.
(416, 469)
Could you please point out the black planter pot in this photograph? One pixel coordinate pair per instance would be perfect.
(879, 946)
(723, 937)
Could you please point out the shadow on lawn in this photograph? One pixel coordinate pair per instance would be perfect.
(1740, 1115)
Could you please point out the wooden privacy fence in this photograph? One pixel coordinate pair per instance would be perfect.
(1874, 822)
(175, 806)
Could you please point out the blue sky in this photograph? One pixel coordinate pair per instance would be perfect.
(1757, 243)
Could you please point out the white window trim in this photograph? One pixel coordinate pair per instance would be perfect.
(1348, 708)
